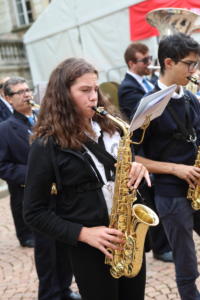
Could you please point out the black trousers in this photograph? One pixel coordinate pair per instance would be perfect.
(94, 280)
(158, 241)
(23, 232)
(178, 220)
(196, 216)
(53, 268)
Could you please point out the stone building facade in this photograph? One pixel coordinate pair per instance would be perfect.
(16, 16)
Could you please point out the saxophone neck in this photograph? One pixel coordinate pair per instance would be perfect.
(121, 123)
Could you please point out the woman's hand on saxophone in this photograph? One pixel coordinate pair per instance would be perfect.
(137, 173)
(102, 238)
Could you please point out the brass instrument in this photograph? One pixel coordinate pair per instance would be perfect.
(193, 84)
(132, 220)
(193, 194)
(173, 20)
(33, 104)
(194, 79)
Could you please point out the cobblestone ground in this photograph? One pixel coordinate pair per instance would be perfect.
(18, 279)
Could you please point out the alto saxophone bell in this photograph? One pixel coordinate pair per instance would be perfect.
(145, 215)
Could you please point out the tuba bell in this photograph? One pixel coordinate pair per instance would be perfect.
(173, 20)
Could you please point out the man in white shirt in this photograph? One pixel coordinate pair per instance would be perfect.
(135, 84)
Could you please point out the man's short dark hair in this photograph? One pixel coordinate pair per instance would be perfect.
(176, 47)
(132, 49)
(10, 82)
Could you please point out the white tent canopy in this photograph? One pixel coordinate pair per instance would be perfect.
(96, 30)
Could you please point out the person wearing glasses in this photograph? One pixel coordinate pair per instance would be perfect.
(134, 86)
(170, 148)
(14, 146)
(54, 274)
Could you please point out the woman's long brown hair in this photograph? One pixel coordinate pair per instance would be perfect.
(59, 116)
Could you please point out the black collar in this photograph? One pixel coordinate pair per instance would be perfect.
(22, 117)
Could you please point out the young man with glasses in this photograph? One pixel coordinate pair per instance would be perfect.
(170, 148)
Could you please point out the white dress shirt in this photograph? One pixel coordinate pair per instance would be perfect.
(175, 95)
(111, 144)
(140, 80)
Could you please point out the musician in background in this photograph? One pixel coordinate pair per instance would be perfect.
(134, 86)
(14, 147)
(5, 108)
(65, 145)
(170, 148)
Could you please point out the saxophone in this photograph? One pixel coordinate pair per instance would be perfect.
(193, 194)
(193, 85)
(33, 104)
(132, 220)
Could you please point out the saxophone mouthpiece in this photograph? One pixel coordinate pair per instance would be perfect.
(100, 110)
(33, 104)
(193, 80)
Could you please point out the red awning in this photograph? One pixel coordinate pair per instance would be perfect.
(140, 29)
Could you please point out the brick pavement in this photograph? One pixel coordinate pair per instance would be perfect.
(18, 279)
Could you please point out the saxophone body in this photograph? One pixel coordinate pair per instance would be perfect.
(193, 194)
(132, 220)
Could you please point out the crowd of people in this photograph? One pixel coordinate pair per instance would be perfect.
(61, 204)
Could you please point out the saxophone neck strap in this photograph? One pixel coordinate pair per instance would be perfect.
(104, 157)
(185, 130)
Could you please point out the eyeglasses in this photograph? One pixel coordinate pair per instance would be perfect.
(145, 60)
(192, 65)
(20, 92)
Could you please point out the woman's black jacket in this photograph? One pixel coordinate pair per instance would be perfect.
(80, 201)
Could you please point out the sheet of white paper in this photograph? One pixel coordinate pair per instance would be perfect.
(151, 106)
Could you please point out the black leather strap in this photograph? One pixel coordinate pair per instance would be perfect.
(103, 156)
(185, 130)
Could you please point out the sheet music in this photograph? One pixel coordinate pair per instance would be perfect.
(152, 106)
